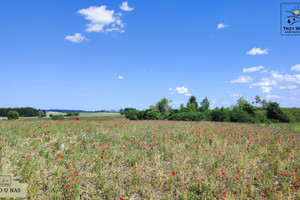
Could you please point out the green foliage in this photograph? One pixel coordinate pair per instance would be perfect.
(23, 112)
(220, 115)
(163, 106)
(12, 115)
(57, 117)
(243, 112)
(153, 114)
(239, 115)
(41, 113)
(205, 104)
(187, 116)
(275, 113)
(131, 114)
(72, 114)
(260, 116)
(192, 105)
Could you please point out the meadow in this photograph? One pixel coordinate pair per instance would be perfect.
(121, 159)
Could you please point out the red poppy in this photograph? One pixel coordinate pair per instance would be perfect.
(173, 173)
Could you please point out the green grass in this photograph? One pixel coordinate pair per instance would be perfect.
(116, 159)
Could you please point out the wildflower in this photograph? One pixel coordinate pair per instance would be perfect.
(67, 186)
(223, 193)
(173, 173)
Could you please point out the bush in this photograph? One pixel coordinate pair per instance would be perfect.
(132, 114)
(12, 115)
(153, 114)
(260, 116)
(187, 116)
(58, 117)
(220, 115)
(276, 114)
(238, 115)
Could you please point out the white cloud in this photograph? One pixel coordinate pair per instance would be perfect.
(221, 25)
(252, 69)
(76, 38)
(289, 87)
(125, 6)
(100, 17)
(265, 89)
(296, 67)
(272, 97)
(120, 77)
(257, 51)
(243, 79)
(277, 80)
(180, 90)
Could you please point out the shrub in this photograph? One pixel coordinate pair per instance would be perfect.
(12, 115)
(132, 114)
(187, 116)
(260, 116)
(57, 117)
(220, 115)
(276, 114)
(238, 115)
(153, 114)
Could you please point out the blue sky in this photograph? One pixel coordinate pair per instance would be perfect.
(93, 54)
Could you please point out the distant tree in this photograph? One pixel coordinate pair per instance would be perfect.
(41, 113)
(205, 104)
(192, 104)
(163, 106)
(121, 112)
(275, 113)
(12, 115)
(153, 114)
(132, 114)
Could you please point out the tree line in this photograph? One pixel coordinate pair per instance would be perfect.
(258, 111)
(23, 112)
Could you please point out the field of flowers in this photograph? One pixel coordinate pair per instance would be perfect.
(151, 160)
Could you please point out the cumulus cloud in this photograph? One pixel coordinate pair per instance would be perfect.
(296, 67)
(100, 18)
(124, 6)
(257, 51)
(242, 79)
(120, 77)
(252, 69)
(180, 90)
(278, 81)
(272, 97)
(221, 25)
(76, 38)
(265, 89)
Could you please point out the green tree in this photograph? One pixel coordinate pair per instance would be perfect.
(163, 106)
(192, 105)
(12, 115)
(275, 113)
(205, 104)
